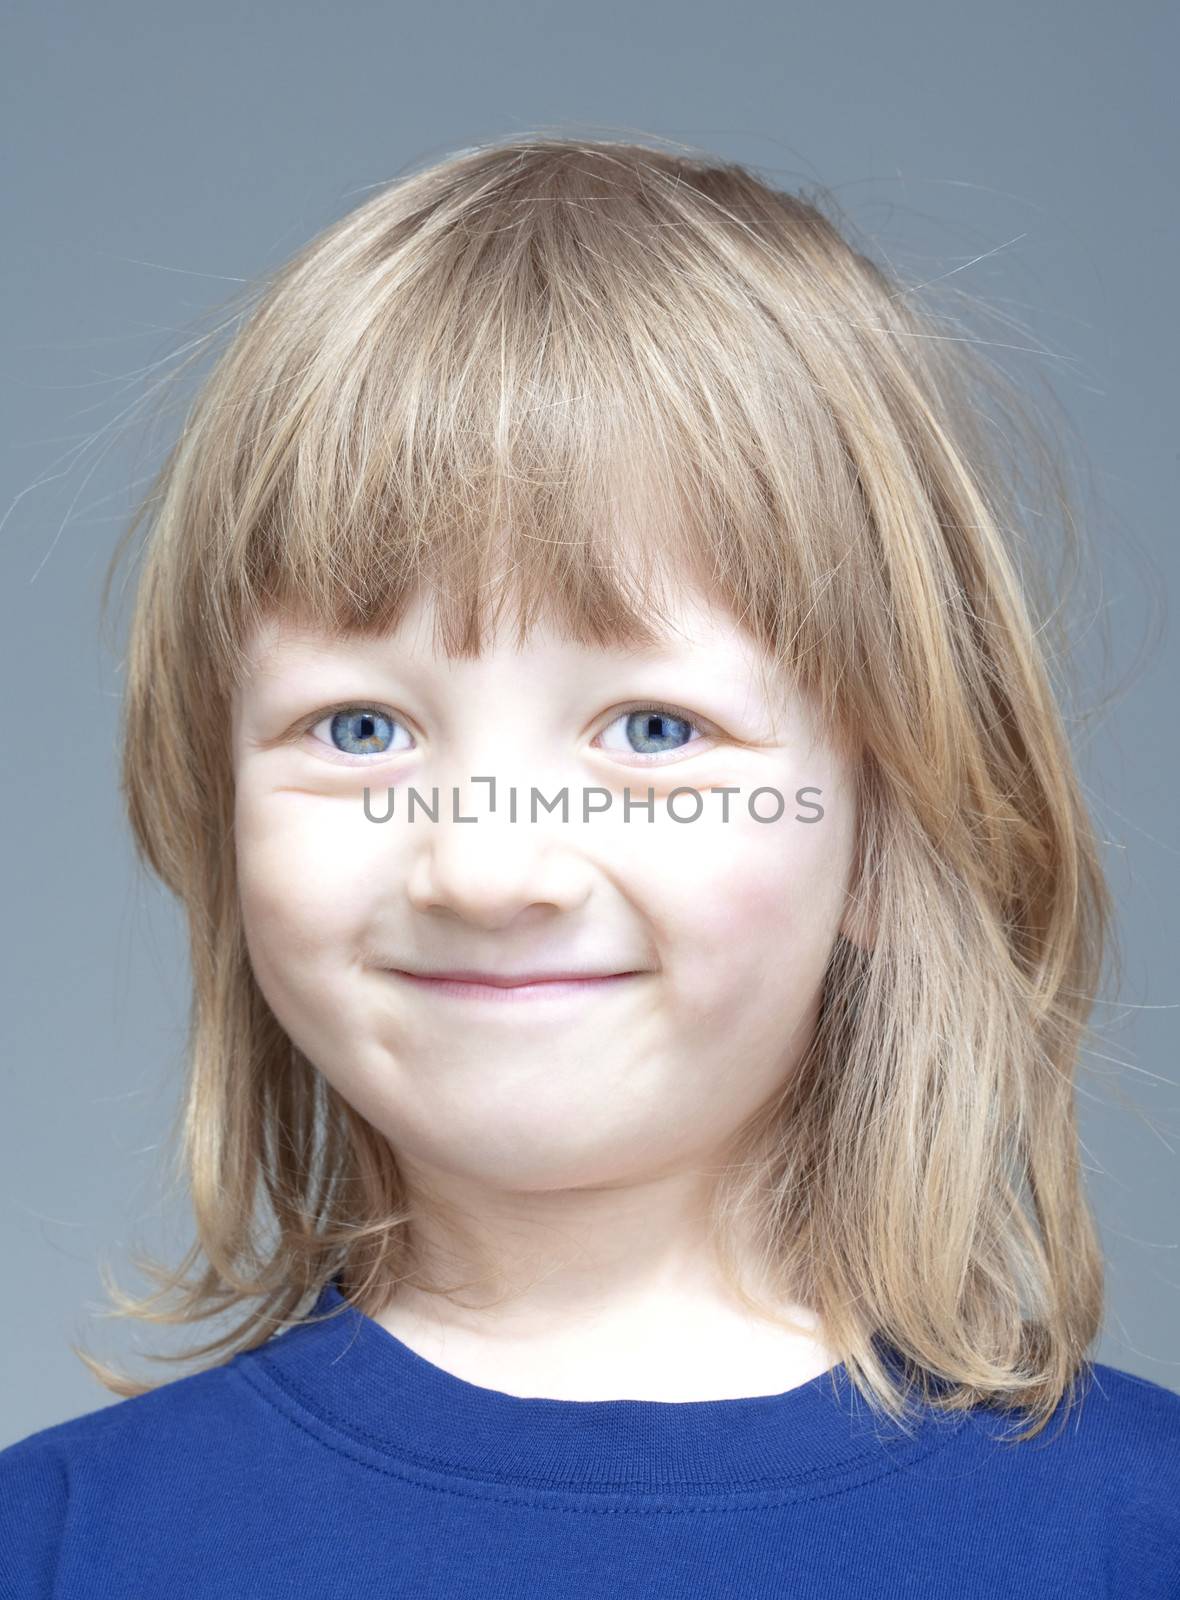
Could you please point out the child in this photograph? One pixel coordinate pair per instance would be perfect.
(698, 1139)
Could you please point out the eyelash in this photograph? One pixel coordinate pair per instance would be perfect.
(678, 712)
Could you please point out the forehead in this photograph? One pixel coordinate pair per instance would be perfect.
(692, 624)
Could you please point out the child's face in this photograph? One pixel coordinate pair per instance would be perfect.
(726, 926)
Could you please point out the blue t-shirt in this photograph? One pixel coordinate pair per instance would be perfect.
(335, 1461)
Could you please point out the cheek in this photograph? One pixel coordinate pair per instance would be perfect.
(301, 886)
(767, 881)
(757, 910)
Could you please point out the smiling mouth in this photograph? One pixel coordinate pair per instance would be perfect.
(512, 991)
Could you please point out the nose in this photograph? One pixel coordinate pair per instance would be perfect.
(489, 871)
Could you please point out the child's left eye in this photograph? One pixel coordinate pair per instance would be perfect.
(652, 727)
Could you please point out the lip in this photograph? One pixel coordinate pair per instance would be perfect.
(516, 989)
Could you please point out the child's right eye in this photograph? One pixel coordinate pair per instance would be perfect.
(359, 730)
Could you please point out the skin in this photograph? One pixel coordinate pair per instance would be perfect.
(559, 1152)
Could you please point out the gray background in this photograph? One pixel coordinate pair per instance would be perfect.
(157, 155)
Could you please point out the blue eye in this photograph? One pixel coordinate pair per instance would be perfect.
(361, 731)
(654, 730)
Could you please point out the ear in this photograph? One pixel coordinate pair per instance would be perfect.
(859, 922)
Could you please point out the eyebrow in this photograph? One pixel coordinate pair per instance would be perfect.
(293, 650)
(300, 650)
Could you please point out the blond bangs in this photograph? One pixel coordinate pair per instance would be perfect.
(490, 415)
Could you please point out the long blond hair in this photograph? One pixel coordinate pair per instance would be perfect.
(509, 363)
